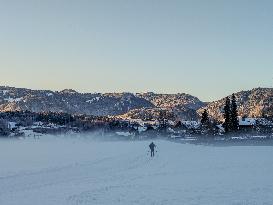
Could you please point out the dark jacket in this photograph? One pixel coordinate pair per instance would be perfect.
(152, 146)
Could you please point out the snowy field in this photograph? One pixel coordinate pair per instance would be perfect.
(77, 171)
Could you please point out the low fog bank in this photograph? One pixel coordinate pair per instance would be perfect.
(98, 136)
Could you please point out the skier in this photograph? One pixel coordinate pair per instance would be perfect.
(152, 148)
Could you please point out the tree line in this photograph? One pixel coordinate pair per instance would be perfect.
(231, 121)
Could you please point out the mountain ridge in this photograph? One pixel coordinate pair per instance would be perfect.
(256, 102)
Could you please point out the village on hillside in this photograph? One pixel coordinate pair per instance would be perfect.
(31, 113)
(29, 124)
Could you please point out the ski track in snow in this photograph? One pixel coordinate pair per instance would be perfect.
(75, 172)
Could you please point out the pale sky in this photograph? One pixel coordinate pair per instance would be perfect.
(205, 48)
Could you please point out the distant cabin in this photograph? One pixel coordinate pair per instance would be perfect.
(247, 123)
(11, 125)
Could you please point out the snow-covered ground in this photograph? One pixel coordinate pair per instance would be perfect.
(76, 171)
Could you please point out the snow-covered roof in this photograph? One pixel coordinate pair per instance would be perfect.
(247, 121)
(191, 124)
(142, 122)
(11, 125)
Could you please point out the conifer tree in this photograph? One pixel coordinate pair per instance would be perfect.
(234, 114)
(205, 118)
(227, 115)
(162, 120)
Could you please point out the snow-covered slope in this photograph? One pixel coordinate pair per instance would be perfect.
(172, 100)
(176, 106)
(101, 104)
(69, 101)
(257, 102)
(78, 171)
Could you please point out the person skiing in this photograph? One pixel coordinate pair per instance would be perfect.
(152, 148)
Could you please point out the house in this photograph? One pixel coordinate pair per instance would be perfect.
(12, 125)
(247, 123)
